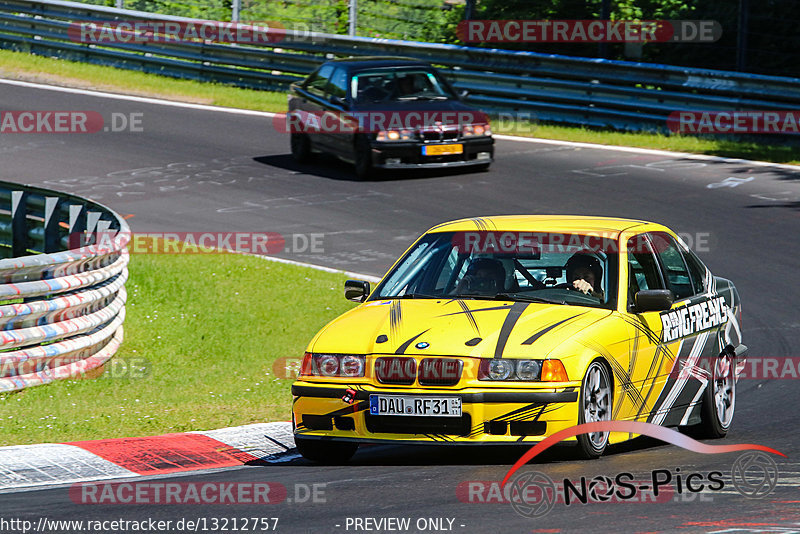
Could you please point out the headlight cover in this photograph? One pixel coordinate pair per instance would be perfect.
(496, 369)
(476, 130)
(333, 365)
(395, 135)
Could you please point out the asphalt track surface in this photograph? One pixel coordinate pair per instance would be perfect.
(193, 170)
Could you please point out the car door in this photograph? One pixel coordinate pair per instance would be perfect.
(338, 128)
(650, 360)
(313, 104)
(696, 322)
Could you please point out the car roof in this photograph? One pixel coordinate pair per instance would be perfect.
(547, 223)
(377, 62)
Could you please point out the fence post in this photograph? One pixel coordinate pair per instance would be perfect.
(352, 17)
(236, 8)
(120, 4)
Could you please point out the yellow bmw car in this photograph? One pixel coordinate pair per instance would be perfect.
(505, 330)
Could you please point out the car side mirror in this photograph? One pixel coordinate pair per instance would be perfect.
(653, 300)
(356, 290)
(337, 101)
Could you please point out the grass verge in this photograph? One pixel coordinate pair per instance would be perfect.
(17, 65)
(202, 333)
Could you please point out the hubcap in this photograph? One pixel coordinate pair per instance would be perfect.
(724, 389)
(596, 401)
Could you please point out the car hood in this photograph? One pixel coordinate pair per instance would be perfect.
(478, 328)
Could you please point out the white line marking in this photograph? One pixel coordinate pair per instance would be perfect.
(239, 111)
(360, 276)
(650, 151)
(142, 99)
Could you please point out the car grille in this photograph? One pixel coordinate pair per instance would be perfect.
(407, 424)
(396, 370)
(440, 371)
(429, 136)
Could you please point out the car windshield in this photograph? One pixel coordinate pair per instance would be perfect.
(570, 269)
(399, 85)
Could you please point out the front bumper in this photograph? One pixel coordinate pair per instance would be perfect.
(408, 155)
(489, 415)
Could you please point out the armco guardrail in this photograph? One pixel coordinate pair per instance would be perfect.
(69, 320)
(594, 92)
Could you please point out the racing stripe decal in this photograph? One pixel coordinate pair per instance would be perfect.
(402, 348)
(395, 315)
(493, 308)
(542, 332)
(679, 384)
(470, 317)
(514, 313)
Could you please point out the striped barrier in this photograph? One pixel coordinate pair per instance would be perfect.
(61, 308)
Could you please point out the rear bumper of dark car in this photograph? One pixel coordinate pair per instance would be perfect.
(409, 155)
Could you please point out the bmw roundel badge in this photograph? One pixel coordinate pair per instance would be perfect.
(422, 345)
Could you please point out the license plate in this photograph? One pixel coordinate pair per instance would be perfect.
(442, 150)
(409, 405)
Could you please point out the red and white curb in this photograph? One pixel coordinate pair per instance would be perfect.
(26, 466)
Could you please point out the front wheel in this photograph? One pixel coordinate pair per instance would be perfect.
(324, 451)
(301, 147)
(595, 405)
(363, 159)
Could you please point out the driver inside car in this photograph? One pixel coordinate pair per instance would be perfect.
(585, 274)
(484, 277)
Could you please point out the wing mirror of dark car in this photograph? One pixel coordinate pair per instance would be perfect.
(356, 290)
(653, 300)
(337, 101)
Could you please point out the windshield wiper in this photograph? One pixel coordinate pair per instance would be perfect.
(527, 298)
(415, 296)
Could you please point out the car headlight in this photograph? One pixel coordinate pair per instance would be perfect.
(328, 365)
(476, 130)
(333, 365)
(395, 135)
(352, 365)
(528, 369)
(520, 370)
(499, 369)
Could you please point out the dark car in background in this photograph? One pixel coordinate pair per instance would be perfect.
(386, 113)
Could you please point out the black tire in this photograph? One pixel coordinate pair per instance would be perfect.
(716, 417)
(301, 147)
(363, 159)
(598, 400)
(325, 451)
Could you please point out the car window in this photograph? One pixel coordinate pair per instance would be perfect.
(697, 270)
(338, 85)
(672, 261)
(540, 266)
(317, 82)
(643, 271)
(388, 85)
